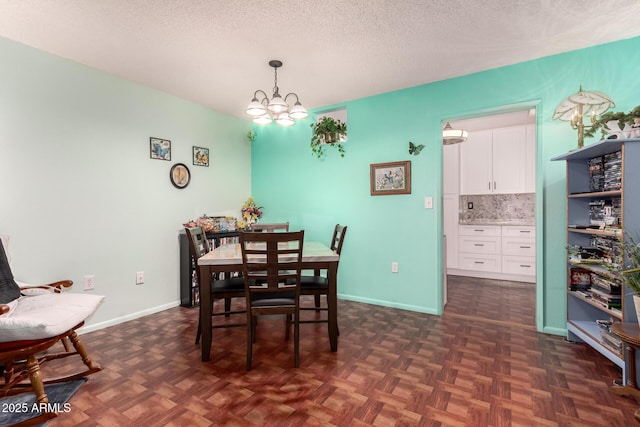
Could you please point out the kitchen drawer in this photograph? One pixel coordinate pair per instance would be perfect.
(518, 231)
(479, 230)
(524, 265)
(518, 246)
(489, 263)
(479, 245)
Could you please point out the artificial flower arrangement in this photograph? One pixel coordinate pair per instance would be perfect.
(250, 212)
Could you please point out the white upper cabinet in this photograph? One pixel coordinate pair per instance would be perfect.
(494, 162)
(476, 163)
(451, 169)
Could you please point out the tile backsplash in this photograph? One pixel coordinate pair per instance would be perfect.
(498, 208)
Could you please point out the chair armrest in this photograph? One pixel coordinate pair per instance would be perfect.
(4, 308)
(56, 287)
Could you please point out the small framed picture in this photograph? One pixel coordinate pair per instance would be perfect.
(200, 156)
(180, 175)
(160, 148)
(390, 178)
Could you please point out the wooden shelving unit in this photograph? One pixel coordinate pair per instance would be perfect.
(582, 310)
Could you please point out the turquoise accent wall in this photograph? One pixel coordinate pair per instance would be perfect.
(315, 194)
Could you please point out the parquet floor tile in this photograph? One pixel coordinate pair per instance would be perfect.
(480, 364)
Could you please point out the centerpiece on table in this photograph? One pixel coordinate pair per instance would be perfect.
(251, 213)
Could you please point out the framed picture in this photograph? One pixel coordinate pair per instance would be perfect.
(390, 178)
(200, 156)
(160, 148)
(180, 175)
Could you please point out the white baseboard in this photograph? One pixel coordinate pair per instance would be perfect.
(97, 326)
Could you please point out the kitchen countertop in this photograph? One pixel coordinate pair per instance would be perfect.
(499, 222)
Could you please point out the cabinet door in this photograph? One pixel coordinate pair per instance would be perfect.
(476, 163)
(530, 181)
(509, 160)
(451, 169)
(450, 205)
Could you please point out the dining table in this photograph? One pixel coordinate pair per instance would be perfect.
(228, 259)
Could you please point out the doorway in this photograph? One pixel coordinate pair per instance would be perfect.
(499, 207)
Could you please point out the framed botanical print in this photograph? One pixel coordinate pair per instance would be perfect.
(390, 178)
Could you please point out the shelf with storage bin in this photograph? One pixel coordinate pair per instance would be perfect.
(616, 187)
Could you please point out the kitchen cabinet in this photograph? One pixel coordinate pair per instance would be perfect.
(480, 248)
(494, 161)
(451, 169)
(519, 250)
(450, 208)
(503, 252)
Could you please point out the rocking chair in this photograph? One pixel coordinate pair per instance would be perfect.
(32, 320)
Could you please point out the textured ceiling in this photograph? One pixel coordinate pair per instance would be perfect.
(216, 52)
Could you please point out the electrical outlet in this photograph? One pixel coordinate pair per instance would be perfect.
(89, 283)
(139, 277)
(394, 267)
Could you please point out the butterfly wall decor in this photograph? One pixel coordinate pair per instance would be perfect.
(415, 149)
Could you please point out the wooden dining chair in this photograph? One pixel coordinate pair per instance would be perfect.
(227, 288)
(270, 228)
(271, 267)
(318, 285)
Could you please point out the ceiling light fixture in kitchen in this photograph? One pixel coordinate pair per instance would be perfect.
(453, 136)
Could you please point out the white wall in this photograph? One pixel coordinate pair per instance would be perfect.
(79, 193)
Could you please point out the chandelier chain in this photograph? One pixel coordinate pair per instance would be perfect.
(275, 78)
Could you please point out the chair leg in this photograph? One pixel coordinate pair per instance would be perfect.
(296, 341)
(33, 367)
(199, 333)
(287, 326)
(250, 339)
(317, 298)
(227, 306)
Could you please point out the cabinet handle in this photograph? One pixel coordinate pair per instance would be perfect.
(489, 185)
(478, 262)
(478, 230)
(523, 265)
(525, 247)
(525, 231)
(494, 185)
(478, 244)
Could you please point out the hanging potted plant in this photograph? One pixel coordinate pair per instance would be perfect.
(328, 132)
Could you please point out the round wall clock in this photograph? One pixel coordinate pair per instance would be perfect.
(180, 175)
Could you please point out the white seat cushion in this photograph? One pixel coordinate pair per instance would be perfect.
(47, 315)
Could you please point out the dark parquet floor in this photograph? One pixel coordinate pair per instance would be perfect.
(480, 364)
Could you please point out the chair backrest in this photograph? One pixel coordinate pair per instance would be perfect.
(271, 262)
(270, 228)
(338, 238)
(198, 243)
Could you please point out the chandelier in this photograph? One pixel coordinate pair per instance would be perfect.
(264, 111)
(453, 136)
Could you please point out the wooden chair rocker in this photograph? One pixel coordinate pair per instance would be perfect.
(32, 320)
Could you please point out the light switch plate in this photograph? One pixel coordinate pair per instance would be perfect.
(428, 202)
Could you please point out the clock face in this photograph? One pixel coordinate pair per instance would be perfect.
(180, 175)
